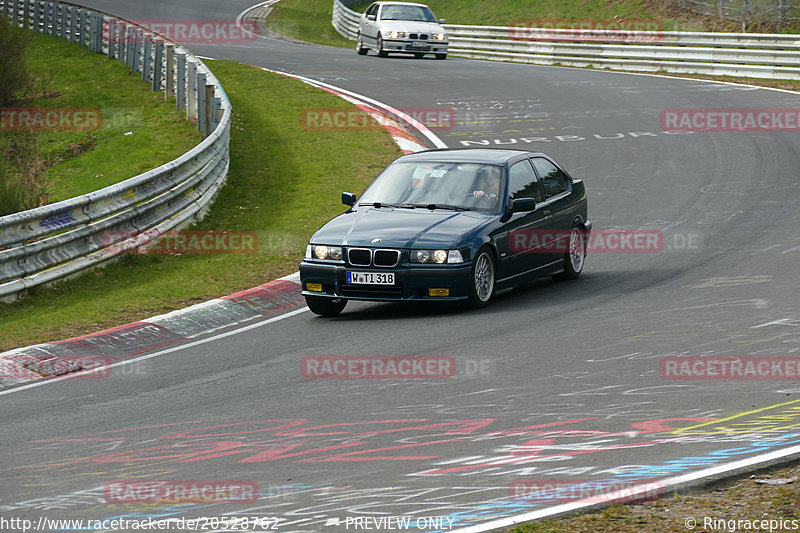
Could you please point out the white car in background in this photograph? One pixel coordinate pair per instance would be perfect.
(401, 27)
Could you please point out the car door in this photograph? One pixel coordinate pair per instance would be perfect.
(528, 242)
(369, 28)
(557, 200)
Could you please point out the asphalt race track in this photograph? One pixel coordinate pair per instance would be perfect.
(555, 384)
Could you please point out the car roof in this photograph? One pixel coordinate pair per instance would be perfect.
(494, 156)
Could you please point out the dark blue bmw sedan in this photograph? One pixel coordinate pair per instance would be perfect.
(449, 225)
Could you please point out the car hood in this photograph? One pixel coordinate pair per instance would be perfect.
(400, 228)
(410, 26)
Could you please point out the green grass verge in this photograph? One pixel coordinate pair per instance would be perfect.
(139, 129)
(284, 182)
(306, 20)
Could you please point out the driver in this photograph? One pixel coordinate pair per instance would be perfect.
(488, 184)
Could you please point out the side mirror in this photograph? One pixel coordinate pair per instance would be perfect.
(523, 204)
(348, 198)
(372, 17)
(442, 21)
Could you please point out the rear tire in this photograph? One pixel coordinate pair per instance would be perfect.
(325, 306)
(441, 56)
(419, 55)
(381, 51)
(575, 257)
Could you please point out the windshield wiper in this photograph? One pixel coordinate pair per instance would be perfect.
(383, 204)
(443, 206)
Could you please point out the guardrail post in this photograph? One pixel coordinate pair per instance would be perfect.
(85, 21)
(73, 23)
(26, 13)
(216, 109)
(122, 31)
(202, 117)
(112, 38)
(64, 12)
(37, 13)
(191, 93)
(781, 11)
(92, 30)
(97, 33)
(158, 65)
(14, 11)
(210, 112)
(169, 71)
(146, 57)
(138, 41)
(180, 82)
(46, 18)
(129, 38)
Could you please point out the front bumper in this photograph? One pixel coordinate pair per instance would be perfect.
(411, 283)
(411, 46)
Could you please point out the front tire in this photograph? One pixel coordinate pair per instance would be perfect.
(575, 257)
(381, 51)
(325, 306)
(482, 279)
(441, 56)
(360, 50)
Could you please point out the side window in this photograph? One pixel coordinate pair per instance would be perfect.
(522, 182)
(373, 9)
(553, 178)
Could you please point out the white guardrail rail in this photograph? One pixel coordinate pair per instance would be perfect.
(751, 55)
(57, 240)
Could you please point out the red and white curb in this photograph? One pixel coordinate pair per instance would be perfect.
(52, 359)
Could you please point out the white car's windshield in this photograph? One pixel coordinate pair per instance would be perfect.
(437, 185)
(401, 12)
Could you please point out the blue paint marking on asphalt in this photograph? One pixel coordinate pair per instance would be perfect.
(507, 507)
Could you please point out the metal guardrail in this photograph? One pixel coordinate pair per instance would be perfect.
(57, 240)
(751, 55)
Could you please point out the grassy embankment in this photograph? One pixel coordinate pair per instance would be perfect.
(284, 182)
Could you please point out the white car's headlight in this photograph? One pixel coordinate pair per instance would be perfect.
(439, 36)
(397, 34)
(321, 251)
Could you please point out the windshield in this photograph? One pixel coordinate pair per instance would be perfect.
(471, 186)
(401, 12)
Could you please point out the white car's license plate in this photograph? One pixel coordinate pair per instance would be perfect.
(370, 278)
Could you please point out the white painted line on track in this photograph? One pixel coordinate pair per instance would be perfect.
(155, 354)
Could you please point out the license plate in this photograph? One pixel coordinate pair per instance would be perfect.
(370, 278)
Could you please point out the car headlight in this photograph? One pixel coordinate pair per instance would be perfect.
(324, 252)
(439, 36)
(397, 34)
(436, 256)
